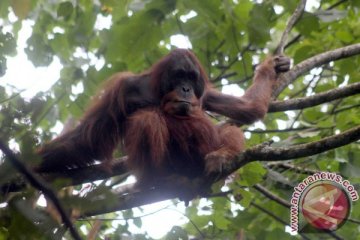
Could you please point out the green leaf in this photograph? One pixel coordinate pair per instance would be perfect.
(7, 44)
(260, 23)
(307, 24)
(3, 66)
(60, 44)
(177, 233)
(2, 94)
(242, 12)
(312, 115)
(210, 9)
(4, 8)
(7, 47)
(251, 174)
(27, 145)
(350, 168)
(83, 31)
(355, 3)
(165, 6)
(197, 31)
(221, 221)
(38, 51)
(65, 10)
(277, 233)
(303, 53)
(344, 36)
(347, 66)
(246, 197)
(129, 39)
(137, 222)
(28, 222)
(128, 213)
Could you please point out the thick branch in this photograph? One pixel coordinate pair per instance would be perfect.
(136, 199)
(91, 173)
(260, 152)
(74, 176)
(266, 153)
(40, 185)
(305, 102)
(310, 63)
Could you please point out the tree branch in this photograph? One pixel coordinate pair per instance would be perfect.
(307, 129)
(290, 24)
(260, 152)
(136, 199)
(90, 173)
(291, 167)
(41, 186)
(305, 102)
(277, 218)
(286, 78)
(267, 193)
(266, 153)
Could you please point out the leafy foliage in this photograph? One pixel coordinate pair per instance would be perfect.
(94, 39)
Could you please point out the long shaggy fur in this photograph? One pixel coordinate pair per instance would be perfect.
(140, 113)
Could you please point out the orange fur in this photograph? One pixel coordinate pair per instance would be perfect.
(159, 118)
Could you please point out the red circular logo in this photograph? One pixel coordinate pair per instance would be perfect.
(325, 205)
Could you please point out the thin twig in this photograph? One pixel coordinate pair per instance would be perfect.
(275, 217)
(292, 167)
(346, 108)
(271, 195)
(297, 37)
(336, 4)
(11, 97)
(310, 129)
(292, 21)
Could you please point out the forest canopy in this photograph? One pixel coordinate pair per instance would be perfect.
(312, 126)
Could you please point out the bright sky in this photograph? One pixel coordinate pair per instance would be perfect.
(22, 74)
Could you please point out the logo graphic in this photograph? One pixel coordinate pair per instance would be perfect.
(325, 205)
(321, 202)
